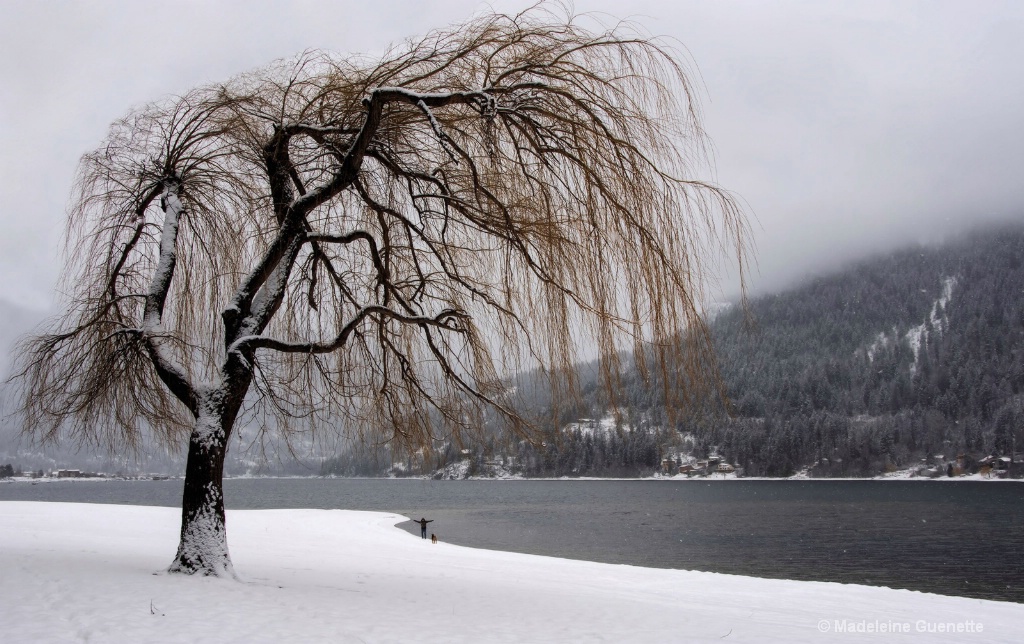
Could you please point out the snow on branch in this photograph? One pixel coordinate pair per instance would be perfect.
(449, 319)
(351, 163)
(161, 284)
(434, 125)
(170, 372)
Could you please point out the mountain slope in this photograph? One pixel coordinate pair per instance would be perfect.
(897, 358)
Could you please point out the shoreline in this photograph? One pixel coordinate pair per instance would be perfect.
(896, 476)
(91, 572)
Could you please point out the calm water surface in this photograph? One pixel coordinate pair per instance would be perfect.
(957, 538)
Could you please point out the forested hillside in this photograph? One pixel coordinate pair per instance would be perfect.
(910, 356)
(896, 359)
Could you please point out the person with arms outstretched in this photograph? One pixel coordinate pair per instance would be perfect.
(423, 526)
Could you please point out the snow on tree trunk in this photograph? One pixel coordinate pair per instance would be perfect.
(203, 548)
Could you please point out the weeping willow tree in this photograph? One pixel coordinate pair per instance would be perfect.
(339, 242)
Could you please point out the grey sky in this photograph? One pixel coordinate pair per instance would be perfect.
(846, 127)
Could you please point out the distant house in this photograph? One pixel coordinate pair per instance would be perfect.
(69, 474)
(995, 462)
(713, 465)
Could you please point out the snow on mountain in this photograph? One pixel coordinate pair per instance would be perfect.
(937, 319)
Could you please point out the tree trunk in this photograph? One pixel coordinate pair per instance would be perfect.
(203, 548)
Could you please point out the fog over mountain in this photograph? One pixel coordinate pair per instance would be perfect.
(15, 321)
(847, 128)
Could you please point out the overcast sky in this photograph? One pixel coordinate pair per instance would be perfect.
(846, 127)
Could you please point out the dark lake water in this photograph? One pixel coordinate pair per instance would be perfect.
(956, 538)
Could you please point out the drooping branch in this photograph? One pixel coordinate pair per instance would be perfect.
(448, 320)
(378, 264)
(379, 97)
(140, 223)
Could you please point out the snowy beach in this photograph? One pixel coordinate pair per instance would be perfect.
(94, 573)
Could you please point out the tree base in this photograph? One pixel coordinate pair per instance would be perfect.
(204, 548)
(187, 566)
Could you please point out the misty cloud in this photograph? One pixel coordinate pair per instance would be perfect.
(847, 128)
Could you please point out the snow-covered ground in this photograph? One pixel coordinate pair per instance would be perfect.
(94, 573)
